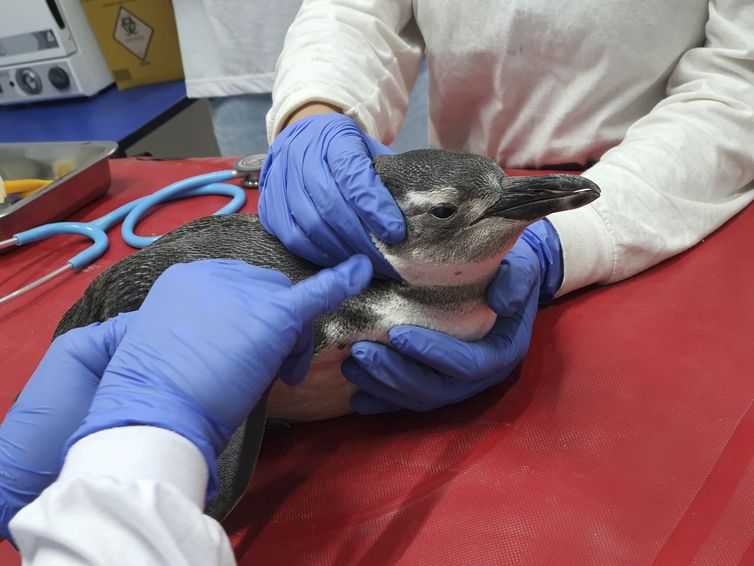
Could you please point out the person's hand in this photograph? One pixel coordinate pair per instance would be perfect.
(207, 342)
(425, 370)
(321, 197)
(50, 408)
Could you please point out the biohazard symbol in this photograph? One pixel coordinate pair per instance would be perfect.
(128, 24)
(132, 33)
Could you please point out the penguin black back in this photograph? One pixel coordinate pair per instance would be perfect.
(123, 287)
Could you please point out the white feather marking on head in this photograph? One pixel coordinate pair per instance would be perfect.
(422, 199)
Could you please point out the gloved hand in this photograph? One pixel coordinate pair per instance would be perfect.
(207, 342)
(425, 370)
(321, 196)
(49, 409)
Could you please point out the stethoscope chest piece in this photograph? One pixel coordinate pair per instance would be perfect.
(250, 166)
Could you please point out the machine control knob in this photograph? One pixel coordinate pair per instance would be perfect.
(29, 81)
(59, 78)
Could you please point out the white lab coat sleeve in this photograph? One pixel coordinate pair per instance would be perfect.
(131, 495)
(361, 56)
(681, 171)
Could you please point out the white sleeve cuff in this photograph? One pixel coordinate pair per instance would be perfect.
(135, 453)
(587, 248)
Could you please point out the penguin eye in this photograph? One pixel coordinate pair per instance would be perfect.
(443, 212)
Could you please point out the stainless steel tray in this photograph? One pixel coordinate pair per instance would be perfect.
(88, 178)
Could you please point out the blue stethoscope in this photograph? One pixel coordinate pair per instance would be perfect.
(132, 212)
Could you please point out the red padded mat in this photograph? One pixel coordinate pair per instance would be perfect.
(627, 437)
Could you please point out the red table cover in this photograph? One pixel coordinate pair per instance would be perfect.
(627, 437)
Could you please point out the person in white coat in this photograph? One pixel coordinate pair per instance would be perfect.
(229, 49)
(653, 101)
(140, 406)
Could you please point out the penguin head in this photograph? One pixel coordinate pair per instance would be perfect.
(463, 214)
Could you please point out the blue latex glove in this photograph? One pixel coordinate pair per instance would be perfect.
(49, 409)
(425, 370)
(321, 196)
(207, 342)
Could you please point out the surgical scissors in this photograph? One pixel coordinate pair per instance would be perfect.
(131, 213)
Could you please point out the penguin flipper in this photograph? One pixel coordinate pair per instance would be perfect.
(236, 464)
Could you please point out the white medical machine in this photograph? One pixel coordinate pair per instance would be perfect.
(48, 51)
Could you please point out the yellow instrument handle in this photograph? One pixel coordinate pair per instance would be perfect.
(24, 186)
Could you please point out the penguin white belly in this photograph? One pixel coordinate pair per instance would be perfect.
(325, 393)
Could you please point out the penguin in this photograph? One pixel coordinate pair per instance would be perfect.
(462, 216)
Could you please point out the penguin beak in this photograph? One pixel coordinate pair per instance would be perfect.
(531, 198)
